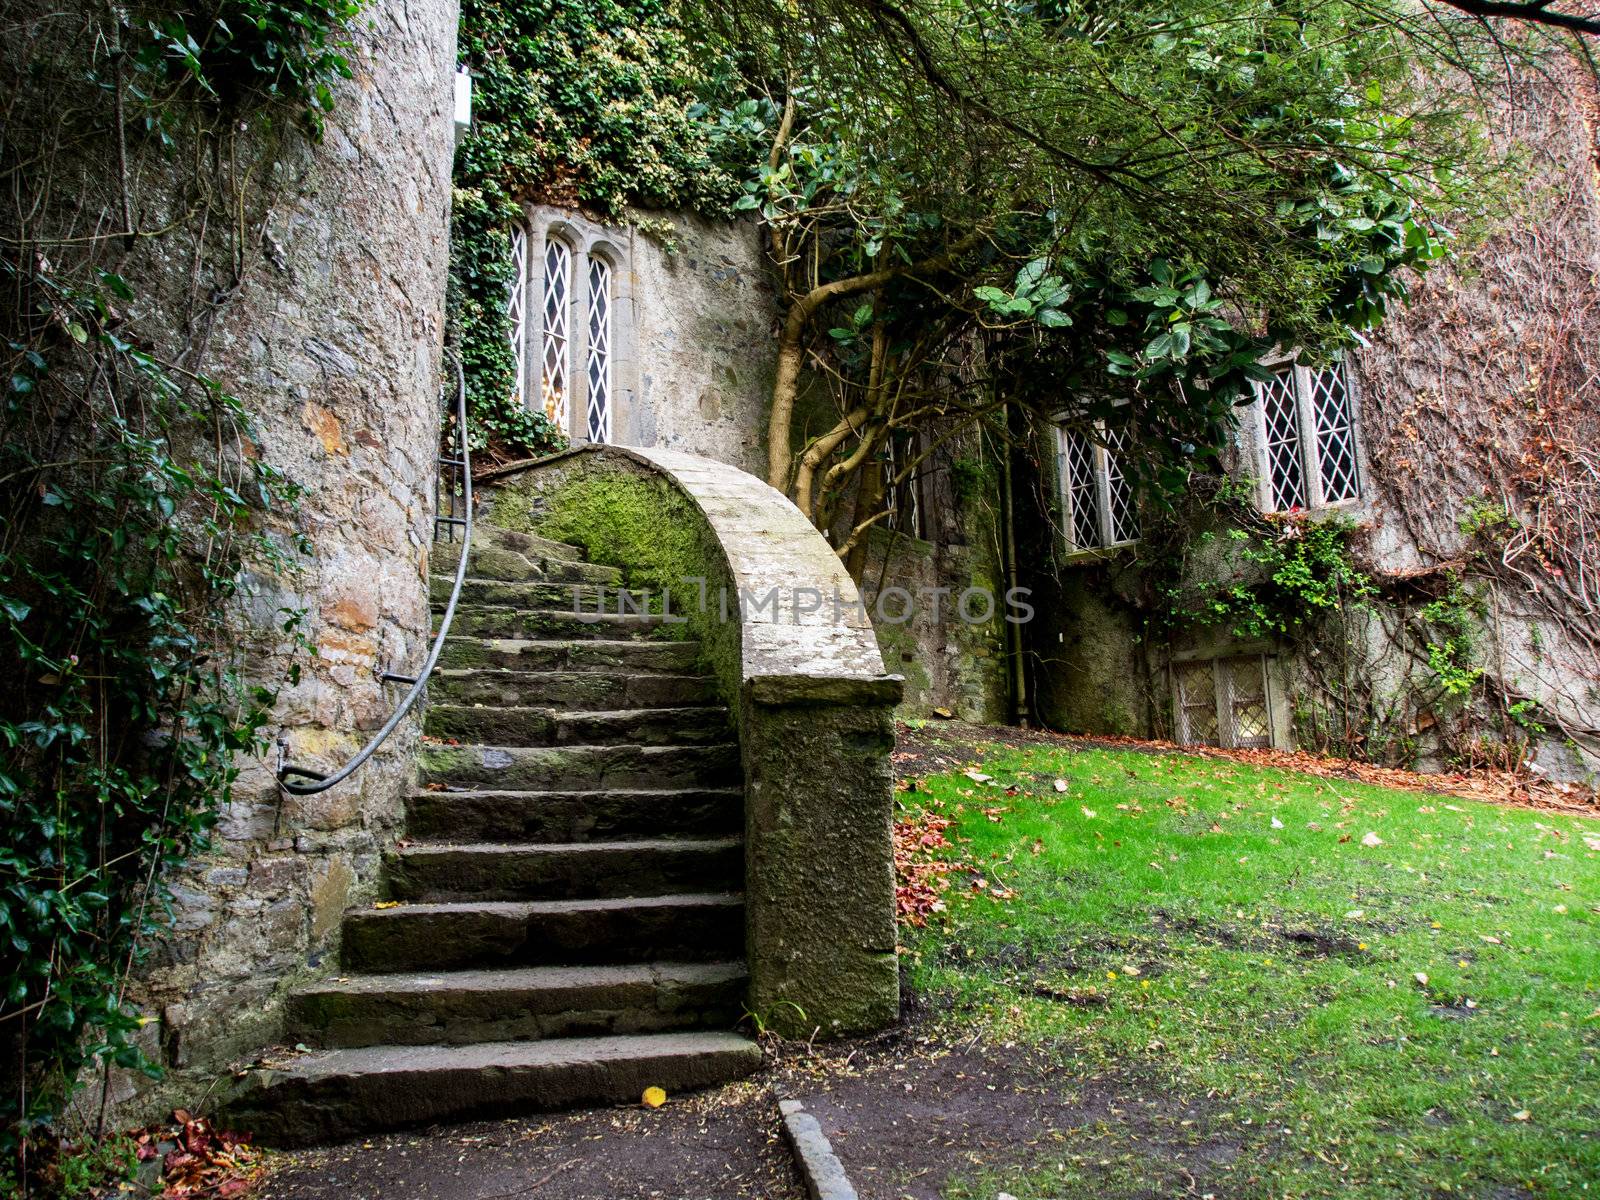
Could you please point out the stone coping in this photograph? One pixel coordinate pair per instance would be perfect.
(826, 656)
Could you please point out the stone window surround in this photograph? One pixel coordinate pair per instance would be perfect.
(1108, 543)
(1251, 439)
(585, 239)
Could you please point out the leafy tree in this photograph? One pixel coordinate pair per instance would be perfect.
(1053, 204)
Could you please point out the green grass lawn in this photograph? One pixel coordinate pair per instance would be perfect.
(1382, 993)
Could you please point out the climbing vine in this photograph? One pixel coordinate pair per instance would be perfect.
(588, 104)
(1376, 661)
(136, 501)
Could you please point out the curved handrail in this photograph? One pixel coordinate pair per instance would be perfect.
(313, 782)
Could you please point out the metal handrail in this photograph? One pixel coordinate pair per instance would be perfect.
(303, 781)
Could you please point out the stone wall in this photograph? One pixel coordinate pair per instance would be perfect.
(1463, 396)
(335, 346)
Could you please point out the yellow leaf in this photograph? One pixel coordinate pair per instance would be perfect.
(653, 1097)
(387, 904)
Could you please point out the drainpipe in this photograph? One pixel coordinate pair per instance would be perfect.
(1018, 677)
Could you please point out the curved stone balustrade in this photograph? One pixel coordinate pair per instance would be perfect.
(781, 624)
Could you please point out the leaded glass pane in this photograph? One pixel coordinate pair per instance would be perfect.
(1079, 495)
(599, 356)
(1247, 701)
(1281, 420)
(553, 384)
(1336, 436)
(1197, 703)
(1124, 518)
(517, 310)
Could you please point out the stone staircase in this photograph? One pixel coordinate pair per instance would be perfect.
(570, 924)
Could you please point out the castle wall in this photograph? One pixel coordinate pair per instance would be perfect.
(334, 344)
(1476, 407)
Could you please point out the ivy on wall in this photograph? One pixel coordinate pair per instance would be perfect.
(134, 500)
(1377, 661)
(587, 104)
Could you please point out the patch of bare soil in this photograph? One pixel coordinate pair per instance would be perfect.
(909, 1117)
(719, 1145)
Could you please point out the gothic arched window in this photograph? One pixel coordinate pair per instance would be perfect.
(563, 314)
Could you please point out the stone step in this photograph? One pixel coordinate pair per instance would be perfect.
(336, 1093)
(489, 621)
(487, 533)
(590, 691)
(520, 1004)
(568, 596)
(573, 816)
(507, 726)
(676, 658)
(433, 874)
(695, 927)
(490, 561)
(579, 768)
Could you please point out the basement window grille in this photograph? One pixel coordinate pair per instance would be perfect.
(1097, 502)
(1223, 702)
(900, 498)
(1305, 433)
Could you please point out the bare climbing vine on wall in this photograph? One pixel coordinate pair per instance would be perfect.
(137, 146)
(1491, 455)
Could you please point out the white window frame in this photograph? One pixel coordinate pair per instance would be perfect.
(1108, 475)
(598, 364)
(1310, 438)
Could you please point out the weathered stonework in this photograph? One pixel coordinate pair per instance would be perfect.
(704, 312)
(1454, 403)
(797, 661)
(335, 348)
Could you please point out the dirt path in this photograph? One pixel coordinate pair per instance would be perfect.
(720, 1145)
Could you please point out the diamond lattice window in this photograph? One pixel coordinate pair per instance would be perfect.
(517, 308)
(553, 382)
(1222, 702)
(1097, 500)
(900, 495)
(563, 315)
(1307, 438)
(598, 414)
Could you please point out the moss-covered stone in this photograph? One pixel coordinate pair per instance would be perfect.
(640, 523)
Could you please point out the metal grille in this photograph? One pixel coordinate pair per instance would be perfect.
(1197, 704)
(599, 357)
(1336, 436)
(517, 310)
(905, 512)
(553, 387)
(1246, 702)
(1123, 519)
(1078, 492)
(1281, 418)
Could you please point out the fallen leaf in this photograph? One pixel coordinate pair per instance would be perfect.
(1372, 839)
(653, 1097)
